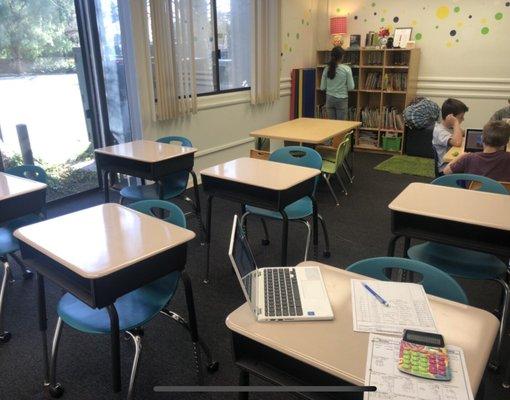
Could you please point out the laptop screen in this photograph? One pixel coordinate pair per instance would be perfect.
(473, 140)
(242, 260)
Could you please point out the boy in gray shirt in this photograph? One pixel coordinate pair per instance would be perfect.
(503, 114)
(448, 132)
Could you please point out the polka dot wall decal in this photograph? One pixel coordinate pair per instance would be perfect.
(418, 36)
(449, 44)
(437, 26)
(395, 19)
(373, 4)
(375, 13)
(507, 4)
(337, 10)
(453, 32)
(365, 20)
(460, 24)
(290, 49)
(498, 16)
(288, 34)
(355, 17)
(483, 20)
(302, 22)
(456, 9)
(384, 11)
(297, 35)
(414, 22)
(457, 40)
(485, 30)
(442, 12)
(470, 16)
(382, 19)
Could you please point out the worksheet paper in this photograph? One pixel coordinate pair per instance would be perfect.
(409, 308)
(382, 372)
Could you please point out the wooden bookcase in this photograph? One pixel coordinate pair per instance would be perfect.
(385, 62)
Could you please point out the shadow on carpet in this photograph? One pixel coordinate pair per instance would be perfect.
(408, 165)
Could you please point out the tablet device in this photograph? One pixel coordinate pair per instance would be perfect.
(473, 142)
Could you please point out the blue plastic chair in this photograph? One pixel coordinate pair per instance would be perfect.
(434, 281)
(134, 309)
(464, 263)
(8, 243)
(173, 185)
(300, 209)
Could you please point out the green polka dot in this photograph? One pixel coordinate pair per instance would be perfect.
(498, 16)
(365, 20)
(382, 19)
(457, 40)
(337, 10)
(297, 35)
(418, 36)
(437, 26)
(288, 34)
(290, 49)
(485, 30)
(308, 23)
(456, 9)
(373, 4)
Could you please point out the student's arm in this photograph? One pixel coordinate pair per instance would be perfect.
(323, 80)
(350, 79)
(456, 139)
(458, 166)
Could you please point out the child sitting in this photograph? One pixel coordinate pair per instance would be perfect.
(448, 133)
(494, 161)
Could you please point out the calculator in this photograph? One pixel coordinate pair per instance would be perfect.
(423, 354)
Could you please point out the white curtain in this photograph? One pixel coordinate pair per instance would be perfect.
(174, 58)
(266, 47)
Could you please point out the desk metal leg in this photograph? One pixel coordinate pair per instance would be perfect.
(193, 325)
(208, 237)
(285, 236)
(244, 380)
(391, 245)
(43, 325)
(106, 183)
(315, 229)
(198, 208)
(115, 350)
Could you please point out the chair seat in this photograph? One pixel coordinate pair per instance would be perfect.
(297, 210)
(149, 192)
(458, 262)
(8, 243)
(328, 166)
(134, 308)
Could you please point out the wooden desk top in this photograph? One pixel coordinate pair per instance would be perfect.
(449, 157)
(262, 173)
(100, 240)
(333, 346)
(307, 130)
(489, 210)
(12, 186)
(146, 150)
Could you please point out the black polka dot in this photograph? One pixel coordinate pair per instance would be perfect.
(453, 32)
(355, 17)
(395, 19)
(375, 13)
(281, 54)
(507, 4)
(470, 17)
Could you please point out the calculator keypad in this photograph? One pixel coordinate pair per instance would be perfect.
(423, 361)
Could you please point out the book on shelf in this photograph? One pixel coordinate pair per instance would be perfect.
(374, 58)
(373, 81)
(400, 58)
(351, 57)
(368, 138)
(322, 112)
(370, 117)
(392, 118)
(395, 81)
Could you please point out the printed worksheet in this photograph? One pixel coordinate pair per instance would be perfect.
(382, 372)
(408, 308)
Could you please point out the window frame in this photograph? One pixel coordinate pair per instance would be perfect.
(216, 62)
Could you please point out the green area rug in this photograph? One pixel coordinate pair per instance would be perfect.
(408, 165)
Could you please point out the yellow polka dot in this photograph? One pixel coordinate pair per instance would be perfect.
(460, 24)
(483, 20)
(414, 23)
(449, 44)
(442, 12)
(285, 46)
(390, 28)
(384, 11)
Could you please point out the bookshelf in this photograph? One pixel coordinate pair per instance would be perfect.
(385, 83)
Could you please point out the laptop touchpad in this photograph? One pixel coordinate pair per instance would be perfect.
(312, 274)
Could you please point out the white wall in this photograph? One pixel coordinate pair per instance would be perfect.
(220, 129)
(466, 64)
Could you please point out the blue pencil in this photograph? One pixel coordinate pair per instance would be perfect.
(373, 293)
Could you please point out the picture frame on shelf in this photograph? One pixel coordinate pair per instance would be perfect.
(401, 36)
(354, 42)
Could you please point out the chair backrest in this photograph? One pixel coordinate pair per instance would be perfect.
(434, 281)
(152, 207)
(482, 183)
(172, 139)
(177, 180)
(30, 172)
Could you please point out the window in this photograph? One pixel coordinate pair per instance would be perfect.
(222, 44)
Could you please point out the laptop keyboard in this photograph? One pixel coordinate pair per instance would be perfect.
(281, 293)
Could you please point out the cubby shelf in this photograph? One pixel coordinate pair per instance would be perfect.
(393, 61)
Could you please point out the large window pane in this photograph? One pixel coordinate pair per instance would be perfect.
(203, 25)
(234, 43)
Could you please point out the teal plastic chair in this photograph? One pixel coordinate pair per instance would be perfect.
(134, 309)
(464, 263)
(300, 209)
(174, 184)
(434, 281)
(9, 246)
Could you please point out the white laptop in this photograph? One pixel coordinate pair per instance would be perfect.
(280, 293)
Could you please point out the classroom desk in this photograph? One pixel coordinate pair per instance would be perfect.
(307, 130)
(101, 253)
(331, 352)
(260, 183)
(20, 196)
(145, 159)
(464, 218)
(449, 157)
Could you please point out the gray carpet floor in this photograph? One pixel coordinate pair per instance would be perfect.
(359, 228)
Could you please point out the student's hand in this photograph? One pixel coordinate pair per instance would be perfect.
(450, 121)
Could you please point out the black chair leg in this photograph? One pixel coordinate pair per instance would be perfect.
(326, 252)
(265, 241)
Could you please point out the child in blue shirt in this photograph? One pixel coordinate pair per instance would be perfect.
(337, 81)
